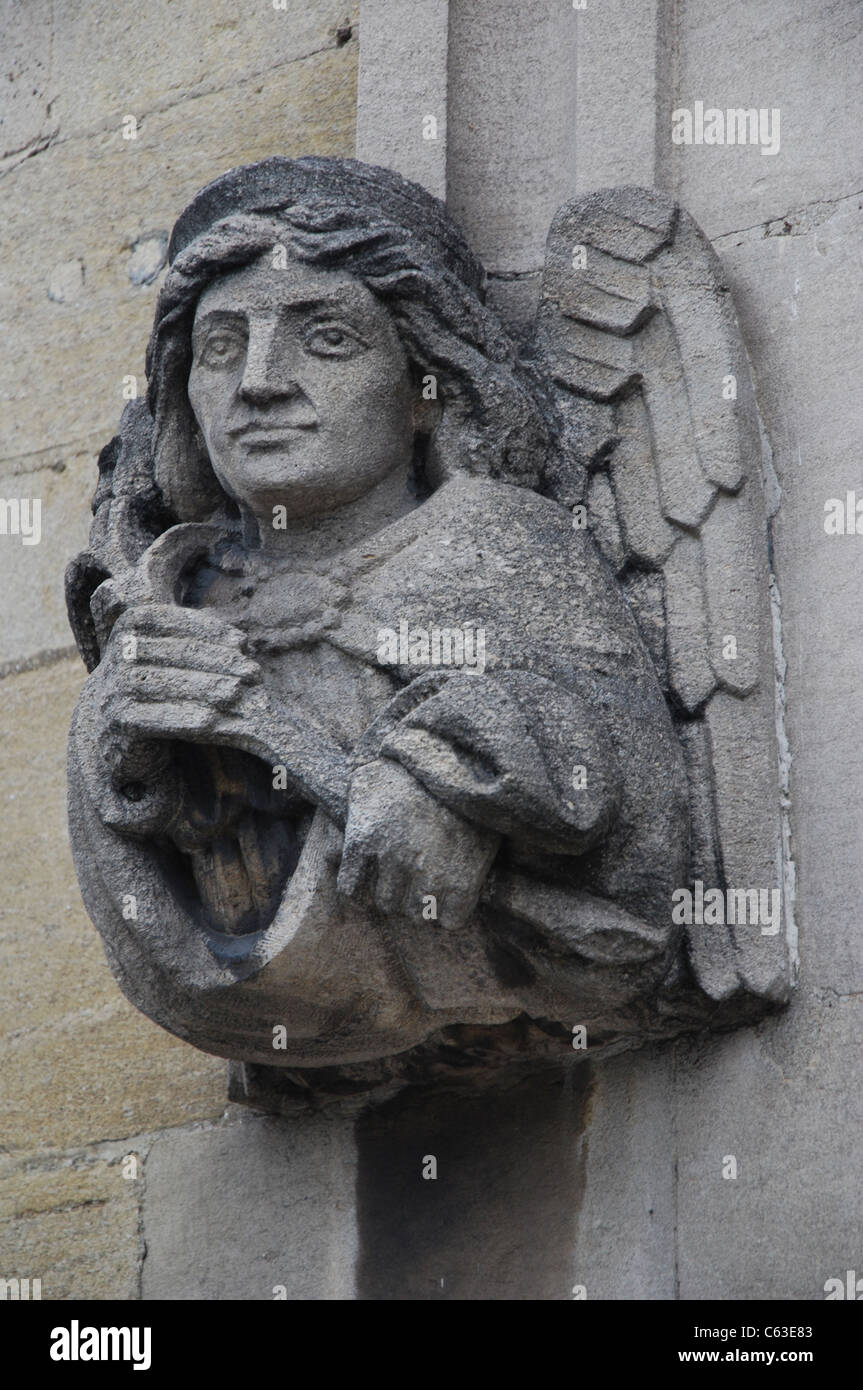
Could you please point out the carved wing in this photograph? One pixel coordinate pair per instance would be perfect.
(637, 331)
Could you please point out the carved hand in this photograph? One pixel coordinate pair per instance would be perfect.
(403, 849)
(168, 672)
(182, 673)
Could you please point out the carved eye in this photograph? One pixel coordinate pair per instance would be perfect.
(222, 350)
(334, 340)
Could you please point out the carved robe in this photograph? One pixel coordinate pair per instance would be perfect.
(557, 747)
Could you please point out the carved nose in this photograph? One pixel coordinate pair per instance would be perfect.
(269, 370)
(259, 388)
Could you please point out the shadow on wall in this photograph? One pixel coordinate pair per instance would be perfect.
(473, 1196)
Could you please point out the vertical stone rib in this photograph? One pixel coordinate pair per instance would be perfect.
(402, 87)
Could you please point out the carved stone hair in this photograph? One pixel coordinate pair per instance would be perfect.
(494, 415)
(498, 415)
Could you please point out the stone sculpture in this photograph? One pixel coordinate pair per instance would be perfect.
(426, 673)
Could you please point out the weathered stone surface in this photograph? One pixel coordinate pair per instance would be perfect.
(256, 1209)
(71, 1223)
(126, 189)
(784, 1097)
(473, 1197)
(799, 316)
(782, 1100)
(734, 55)
(603, 520)
(507, 176)
(793, 279)
(29, 1187)
(120, 58)
(80, 1065)
(30, 92)
(619, 90)
(67, 81)
(692, 677)
(400, 881)
(99, 1074)
(31, 575)
(402, 107)
(81, 220)
(648, 535)
(79, 283)
(624, 1244)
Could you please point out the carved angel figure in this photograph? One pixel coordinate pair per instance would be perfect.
(312, 829)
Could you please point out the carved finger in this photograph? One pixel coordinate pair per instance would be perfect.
(169, 684)
(194, 655)
(170, 620)
(183, 719)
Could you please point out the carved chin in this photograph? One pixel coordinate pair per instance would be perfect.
(294, 477)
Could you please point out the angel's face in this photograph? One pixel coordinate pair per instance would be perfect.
(300, 386)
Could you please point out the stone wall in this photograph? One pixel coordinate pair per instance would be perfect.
(783, 1098)
(611, 1175)
(653, 1215)
(86, 1081)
